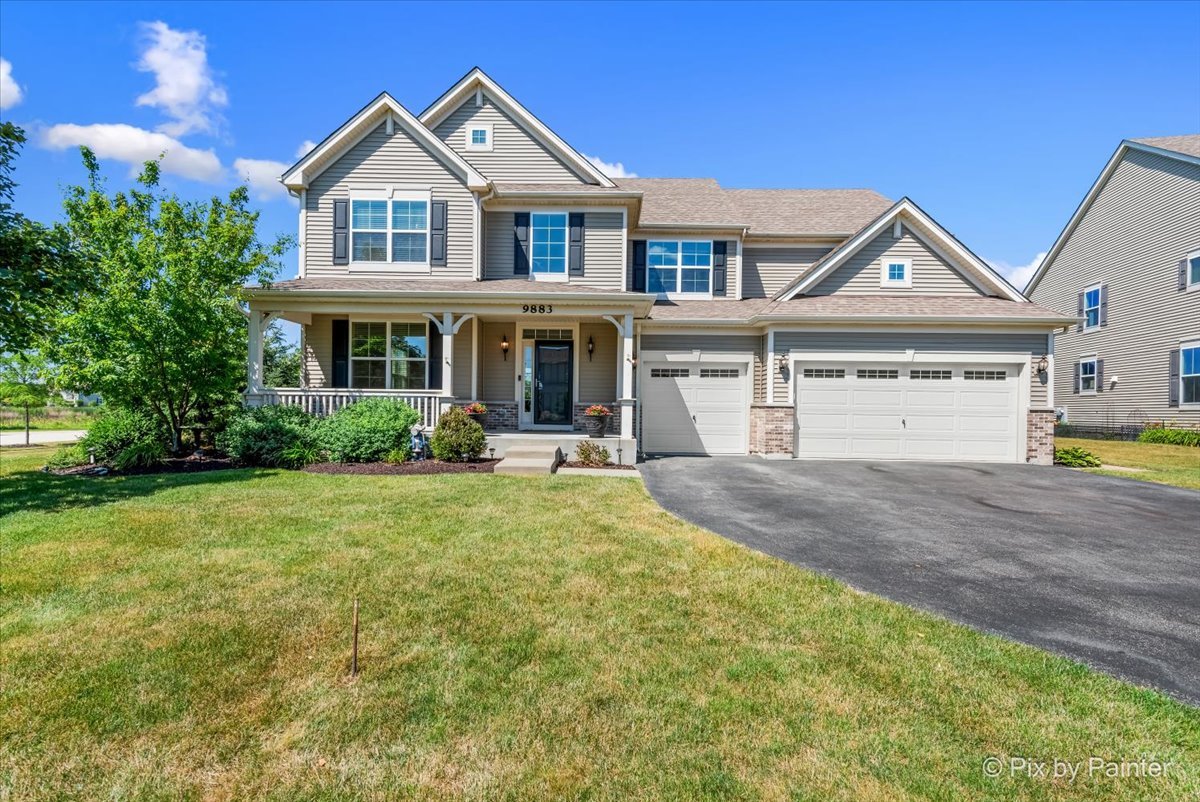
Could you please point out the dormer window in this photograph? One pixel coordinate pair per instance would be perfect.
(895, 273)
(479, 137)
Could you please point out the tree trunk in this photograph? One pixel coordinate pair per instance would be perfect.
(27, 424)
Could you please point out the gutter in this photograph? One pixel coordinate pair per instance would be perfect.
(755, 320)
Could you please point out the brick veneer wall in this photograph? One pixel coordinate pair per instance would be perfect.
(1039, 438)
(502, 416)
(772, 429)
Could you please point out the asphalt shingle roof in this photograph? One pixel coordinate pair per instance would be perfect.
(1188, 144)
(849, 305)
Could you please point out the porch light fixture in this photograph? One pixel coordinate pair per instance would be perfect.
(504, 346)
(1043, 364)
(782, 364)
(632, 361)
(591, 347)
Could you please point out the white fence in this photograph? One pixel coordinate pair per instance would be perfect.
(325, 401)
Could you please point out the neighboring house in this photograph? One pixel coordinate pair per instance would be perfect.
(1128, 267)
(471, 254)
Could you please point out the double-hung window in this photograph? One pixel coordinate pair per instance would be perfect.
(1189, 374)
(389, 355)
(548, 235)
(1087, 375)
(1192, 271)
(679, 267)
(395, 231)
(1091, 308)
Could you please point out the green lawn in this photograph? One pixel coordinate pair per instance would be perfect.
(12, 419)
(1169, 465)
(187, 637)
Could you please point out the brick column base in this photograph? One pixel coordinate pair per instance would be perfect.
(502, 416)
(579, 421)
(1039, 442)
(772, 429)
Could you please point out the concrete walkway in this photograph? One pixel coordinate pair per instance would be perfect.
(40, 437)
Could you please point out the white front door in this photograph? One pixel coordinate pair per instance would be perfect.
(695, 408)
(910, 411)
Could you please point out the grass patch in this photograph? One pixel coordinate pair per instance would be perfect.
(550, 638)
(1168, 465)
(12, 419)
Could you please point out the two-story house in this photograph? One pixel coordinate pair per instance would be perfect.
(1127, 266)
(470, 254)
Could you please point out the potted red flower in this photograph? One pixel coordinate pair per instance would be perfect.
(478, 413)
(597, 416)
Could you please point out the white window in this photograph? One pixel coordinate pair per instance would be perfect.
(394, 231)
(895, 273)
(1091, 307)
(669, 373)
(1193, 270)
(824, 373)
(930, 375)
(1189, 374)
(985, 375)
(548, 238)
(1087, 375)
(877, 373)
(389, 355)
(679, 267)
(719, 373)
(479, 137)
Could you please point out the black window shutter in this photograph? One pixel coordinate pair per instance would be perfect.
(1173, 375)
(639, 265)
(1075, 386)
(1099, 375)
(1183, 265)
(341, 233)
(435, 357)
(1079, 313)
(718, 267)
(1103, 304)
(437, 234)
(575, 245)
(521, 243)
(340, 342)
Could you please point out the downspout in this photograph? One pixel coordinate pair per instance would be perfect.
(479, 201)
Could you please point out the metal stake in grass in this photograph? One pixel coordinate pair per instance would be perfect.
(354, 647)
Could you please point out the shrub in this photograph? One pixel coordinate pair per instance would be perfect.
(68, 457)
(369, 430)
(592, 454)
(120, 430)
(271, 436)
(1171, 437)
(1076, 457)
(457, 438)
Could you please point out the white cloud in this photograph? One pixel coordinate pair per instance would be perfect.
(1018, 275)
(10, 91)
(304, 148)
(263, 177)
(185, 88)
(133, 146)
(610, 169)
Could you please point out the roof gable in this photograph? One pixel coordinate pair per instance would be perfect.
(478, 80)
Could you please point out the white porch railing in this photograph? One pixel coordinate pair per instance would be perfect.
(327, 400)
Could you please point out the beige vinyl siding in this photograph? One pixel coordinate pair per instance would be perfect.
(317, 354)
(498, 377)
(712, 344)
(603, 236)
(931, 275)
(462, 359)
(597, 377)
(375, 162)
(791, 342)
(768, 269)
(733, 254)
(1143, 221)
(516, 155)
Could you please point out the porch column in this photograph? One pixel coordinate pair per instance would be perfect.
(254, 357)
(447, 354)
(625, 379)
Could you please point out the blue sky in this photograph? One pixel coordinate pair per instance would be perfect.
(995, 118)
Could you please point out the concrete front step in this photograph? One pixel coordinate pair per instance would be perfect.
(529, 460)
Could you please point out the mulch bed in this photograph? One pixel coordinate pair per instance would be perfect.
(610, 467)
(169, 465)
(414, 468)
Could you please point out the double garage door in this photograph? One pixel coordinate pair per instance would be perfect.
(695, 408)
(913, 411)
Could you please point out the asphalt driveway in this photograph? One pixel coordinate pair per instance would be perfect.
(1100, 569)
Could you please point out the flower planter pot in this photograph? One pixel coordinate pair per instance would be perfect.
(480, 418)
(597, 425)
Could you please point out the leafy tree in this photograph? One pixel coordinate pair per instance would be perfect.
(165, 332)
(24, 380)
(40, 272)
(281, 359)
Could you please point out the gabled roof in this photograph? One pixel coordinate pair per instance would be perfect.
(313, 163)
(806, 212)
(682, 202)
(456, 95)
(888, 309)
(1184, 148)
(977, 270)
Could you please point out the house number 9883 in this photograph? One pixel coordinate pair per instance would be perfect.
(537, 309)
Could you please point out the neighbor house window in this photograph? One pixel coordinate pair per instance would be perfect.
(1193, 269)
(389, 231)
(679, 267)
(895, 273)
(549, 238)
(1087, 375)
(389, 356)
(479, 137)
(1091, 308)
(1189, 374)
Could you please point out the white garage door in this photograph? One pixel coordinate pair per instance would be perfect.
(695, 409)
(930, 412)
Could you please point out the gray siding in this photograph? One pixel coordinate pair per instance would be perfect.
(788, 342)
(768, 270)
(375, 162)
(598, 377)
(497, 376)
(317, 351)
(603, 237)
(1142, 222)
(932, 275)
(712, 343)
(462, 359)
(515, 156)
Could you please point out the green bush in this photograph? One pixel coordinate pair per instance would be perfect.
(68, 456)
(1171, 437)
(457, 438)
(369, 430)
(274, 436)
(118, 431)
(592, 454)
(1076, 457)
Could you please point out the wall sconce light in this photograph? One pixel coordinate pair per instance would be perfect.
(632, 361)
(1043, 364)
(504, 346)
(782, 364)
(591, 346)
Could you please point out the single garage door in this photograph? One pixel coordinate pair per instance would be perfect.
(930, 412)
(695, 409)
